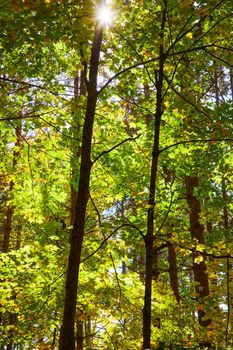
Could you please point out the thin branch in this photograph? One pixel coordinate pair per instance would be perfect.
(194, 250)
(109, 236)
(191, 49)
(136, 104)
(123, 71)
(166, 216)
(196, 24)
(194, 141)
(218, 58)
(185, 24)
(137, 53)
(58, 130)
(26, 116)
(14, 81)
(186, 100)
(210, 86)
(114, 147)
(223, 47)
(143, 63)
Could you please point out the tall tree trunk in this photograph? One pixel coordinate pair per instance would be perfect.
(173, 271)
(225, 209)
(79, 90)
(149, 238)
(155, 268)
(7, 229)
(10, 209)
(80, 327)
(197, 234)
(67, 341)
(231, 82)
(88, 336)
(217, 98)
(12, 323)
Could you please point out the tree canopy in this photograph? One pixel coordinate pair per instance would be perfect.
(116, 131)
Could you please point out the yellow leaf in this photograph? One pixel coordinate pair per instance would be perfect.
(198, 259)
(189, 35)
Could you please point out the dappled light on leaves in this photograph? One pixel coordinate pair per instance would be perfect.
(116, 175)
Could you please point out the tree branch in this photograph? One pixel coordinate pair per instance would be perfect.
(186, 100)
(123, 71)
(108, 237)
(114, 147)
(218, 58)
(137, 53)
(26, 116)
(196, 24)
(166, 216)
(194, 141)
(14, 81)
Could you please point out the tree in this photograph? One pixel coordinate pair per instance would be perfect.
(115, 132)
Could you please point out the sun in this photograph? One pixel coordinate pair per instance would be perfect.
(105, 15)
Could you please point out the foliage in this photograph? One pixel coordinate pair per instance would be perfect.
(45, 52)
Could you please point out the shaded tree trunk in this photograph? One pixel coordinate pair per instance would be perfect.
(79, 90)
(225, 209)
(197, 234)
(80, 333)
(12, 324)
(88, 336)
(7, 231)
(173, 271)
(7, 226)
(231, 82)
(67, 341)
(155, 268)
(149, 238)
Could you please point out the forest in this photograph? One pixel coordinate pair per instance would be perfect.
(116, 174)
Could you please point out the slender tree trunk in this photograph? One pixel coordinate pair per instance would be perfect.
(225, 210)
(155, 268)
(7, 230)
(149, 238)
(12, 323)
(231, 82)
(67, 332)
(80, 335)
(88, 329)
(79, 90)
(217, 99)
(173, 271)
(197, 234)
(10, 209)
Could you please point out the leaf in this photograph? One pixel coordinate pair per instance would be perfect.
(189, 35)
(198, 259)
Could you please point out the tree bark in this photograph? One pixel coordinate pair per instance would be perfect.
(67, 341)
(231, 82)
(197, 234)
(79, 327)
(173, 271)
(225, 209)
(10, 209)
(7, 229)
(79, 90)
(149, 238)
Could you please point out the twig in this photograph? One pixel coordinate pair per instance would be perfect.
(114, 147)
